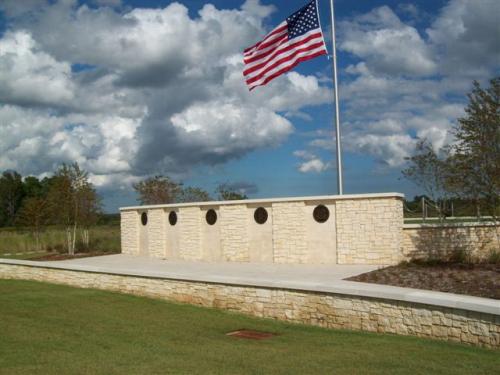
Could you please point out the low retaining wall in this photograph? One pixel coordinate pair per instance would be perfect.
(316, 308)
(444, 241)
(348, 229)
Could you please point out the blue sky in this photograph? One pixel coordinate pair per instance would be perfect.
(133, 88)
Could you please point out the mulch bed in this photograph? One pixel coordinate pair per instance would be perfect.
(58, 256)
(481, 280)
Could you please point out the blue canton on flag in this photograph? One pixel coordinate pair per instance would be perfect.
(303, 21)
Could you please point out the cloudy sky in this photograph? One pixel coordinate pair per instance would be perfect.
(131, 88)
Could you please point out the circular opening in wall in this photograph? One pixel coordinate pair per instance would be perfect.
(144, 218)
(260, 215)
(172, 218)
(211, 217)
(321, 213)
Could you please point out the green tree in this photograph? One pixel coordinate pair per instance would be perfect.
(158, 190)
(469, 169)
(474, 161)
(193, 194)
(33, 187)
(34, 214)
(73, 201)
(11, 196)
(225, 192)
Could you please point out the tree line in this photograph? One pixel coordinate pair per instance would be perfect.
(67, 198)
(468, 169)
(163, 190)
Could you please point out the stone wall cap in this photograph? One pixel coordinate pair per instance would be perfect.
(267, 201)
(272, 281)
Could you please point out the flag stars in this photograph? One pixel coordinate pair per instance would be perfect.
(303, 21)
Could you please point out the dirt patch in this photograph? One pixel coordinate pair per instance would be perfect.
(58, 256)
(251, 334)
(481, 280)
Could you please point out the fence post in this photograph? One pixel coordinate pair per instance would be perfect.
(424, 213)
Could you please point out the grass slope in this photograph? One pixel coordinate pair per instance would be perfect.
(53, 329)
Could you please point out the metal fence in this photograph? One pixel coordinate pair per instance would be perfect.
(427, 210)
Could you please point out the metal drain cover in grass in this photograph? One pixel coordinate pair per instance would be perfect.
(250, 334)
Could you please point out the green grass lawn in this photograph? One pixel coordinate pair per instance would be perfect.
(51, 329)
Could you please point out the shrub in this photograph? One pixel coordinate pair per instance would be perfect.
(494, 257)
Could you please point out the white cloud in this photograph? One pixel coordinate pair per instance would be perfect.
(465, 36)
(35, 141)
(392, 149)
(410, 9)
(388, 45)
(304, 154)
(160, 90)
(224, 128)
(255, 8)
(408, 83)
(31, 76)
(313, 165)
(147, 91)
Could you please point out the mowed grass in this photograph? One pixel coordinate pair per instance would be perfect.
(52, 329)
(104, 238)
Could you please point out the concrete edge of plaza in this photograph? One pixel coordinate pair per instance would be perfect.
(211, 273)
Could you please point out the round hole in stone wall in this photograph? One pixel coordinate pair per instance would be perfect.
(321, 214)
(260, 215)
(144, 218)
(211, 217)
(172, 218)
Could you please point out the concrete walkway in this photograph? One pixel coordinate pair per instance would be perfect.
(230, 272)
(319, 278)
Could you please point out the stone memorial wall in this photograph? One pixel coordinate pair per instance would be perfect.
(348, 229)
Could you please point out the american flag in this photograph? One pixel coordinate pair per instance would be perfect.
(297, 39)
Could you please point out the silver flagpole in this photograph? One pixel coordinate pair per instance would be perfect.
(337, 111)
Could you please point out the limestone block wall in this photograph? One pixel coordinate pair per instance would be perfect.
(442, 241)
(260, 245)
(190, 234)
(321, 238)
(316, 308)
(369, 231)
(359, 229)
(234, 233)
(156, 233)
(289, 232)
(130, 232)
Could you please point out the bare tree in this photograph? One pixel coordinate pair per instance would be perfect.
(158, 190)
(89, 211)
(225, 192)
(193, 194)
(430, 172)
(73, 200)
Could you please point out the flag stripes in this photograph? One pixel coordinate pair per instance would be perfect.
(295, 40)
